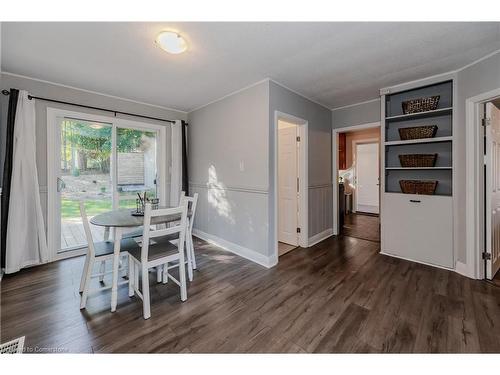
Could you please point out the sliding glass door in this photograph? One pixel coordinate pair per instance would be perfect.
(84, 174)
(105, 164)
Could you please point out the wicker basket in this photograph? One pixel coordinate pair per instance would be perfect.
(418, 132)
(418, 160)
(420, 104)
(418, 187)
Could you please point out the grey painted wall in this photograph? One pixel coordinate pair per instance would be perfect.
(320, 155)
(43, 89)
(362, 113)
(223, 137)
(474, 80)
(236, 205)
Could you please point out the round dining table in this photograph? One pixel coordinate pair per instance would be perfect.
(117, 221)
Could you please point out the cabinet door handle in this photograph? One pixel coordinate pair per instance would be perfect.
(414, 201)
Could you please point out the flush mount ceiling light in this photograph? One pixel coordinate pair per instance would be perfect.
(171, 42)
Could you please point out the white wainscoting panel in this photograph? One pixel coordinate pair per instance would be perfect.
(320, 209)
(320, 237)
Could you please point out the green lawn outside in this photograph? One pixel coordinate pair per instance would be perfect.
(71, 208)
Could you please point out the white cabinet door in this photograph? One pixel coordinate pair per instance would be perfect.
(418, 227)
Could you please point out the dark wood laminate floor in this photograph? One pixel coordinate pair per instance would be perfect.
(364, 226)
(338, 296)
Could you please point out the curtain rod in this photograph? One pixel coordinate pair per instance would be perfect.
(7, 92)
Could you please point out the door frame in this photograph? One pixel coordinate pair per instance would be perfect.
(474, 195)
(303, 157)
(355, 143)
(335, 167)
(53, 149)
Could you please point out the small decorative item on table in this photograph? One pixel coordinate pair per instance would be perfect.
(141, 203)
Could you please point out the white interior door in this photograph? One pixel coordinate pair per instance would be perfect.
(367, 177)
(287, 185)
(492, 190)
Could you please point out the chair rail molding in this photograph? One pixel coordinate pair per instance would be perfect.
(244, 189)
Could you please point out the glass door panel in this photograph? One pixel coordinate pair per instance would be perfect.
(85, 165)
(136, 169)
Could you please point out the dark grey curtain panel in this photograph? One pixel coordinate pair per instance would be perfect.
(185, 183)
(7, 169)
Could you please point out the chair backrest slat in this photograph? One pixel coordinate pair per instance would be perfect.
(163, 232)
(192, 202)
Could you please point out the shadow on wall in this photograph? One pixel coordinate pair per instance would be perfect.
(217, 196)
(231, 214)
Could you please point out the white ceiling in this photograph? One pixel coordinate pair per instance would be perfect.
(332, 63)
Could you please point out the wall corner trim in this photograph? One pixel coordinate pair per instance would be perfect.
(356, 104)
(299, 94)
(463, 270)
(230, 94)
(263, 260)
(320, 237)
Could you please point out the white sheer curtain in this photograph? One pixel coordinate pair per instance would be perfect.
(176, 169)
(26, 240)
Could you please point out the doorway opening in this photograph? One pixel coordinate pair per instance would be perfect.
(291, 183)
(482, 253)
(357, 191)
(491, 121)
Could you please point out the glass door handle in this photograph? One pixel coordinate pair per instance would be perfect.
(60, 184)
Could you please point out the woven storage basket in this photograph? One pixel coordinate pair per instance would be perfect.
(417, 160)
(417, 132)
(420, 104)
(418, 187)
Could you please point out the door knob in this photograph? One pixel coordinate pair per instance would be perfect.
(60, 184)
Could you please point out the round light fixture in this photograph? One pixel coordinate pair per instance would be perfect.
(171, 42)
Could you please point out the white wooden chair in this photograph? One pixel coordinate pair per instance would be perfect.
(189, 246)
(192, 202)
(99, 253)
(155, 254)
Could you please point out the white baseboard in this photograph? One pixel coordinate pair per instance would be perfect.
(320, 237)
(416, 261)
(244, 252)
(460, 267)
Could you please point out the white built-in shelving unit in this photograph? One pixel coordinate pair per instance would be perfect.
(418, 227)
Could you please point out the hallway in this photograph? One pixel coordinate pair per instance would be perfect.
(363, 226)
